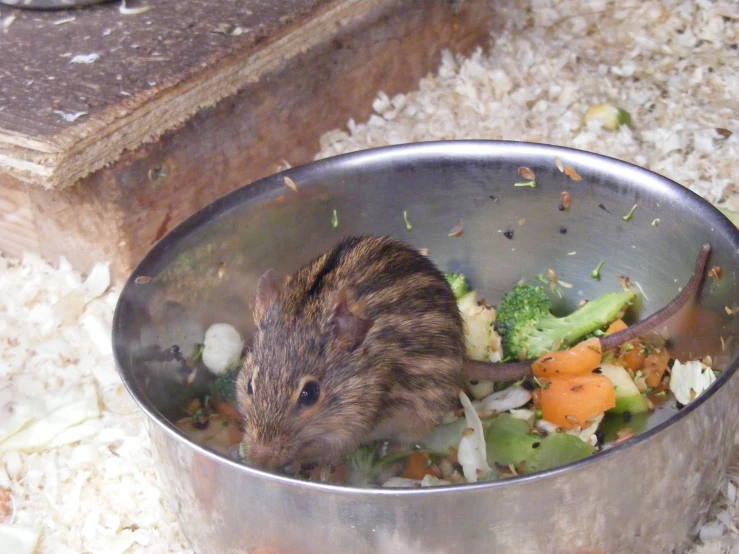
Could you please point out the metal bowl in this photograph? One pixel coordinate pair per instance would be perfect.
(649, 494)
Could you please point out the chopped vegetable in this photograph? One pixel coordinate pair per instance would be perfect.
(632, 354)
(363, 466)
(225, 386)
(223, 347)
(654, 367)
(529, 330)
(417, 466)
(482, 342)
(582, 358)
(510, 442)
(690, 379)
(629, 215)
(529, 184)
(471, 453)
(628, 397)
(616, 326)
(610, 117)
(596, 272)
(459, 284)
(335, 219)
(573, 401)
(408, 225)
(504, 400)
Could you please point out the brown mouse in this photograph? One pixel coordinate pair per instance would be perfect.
(365, 342)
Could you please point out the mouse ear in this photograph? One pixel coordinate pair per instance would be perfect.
(267, 289)
(350, 329)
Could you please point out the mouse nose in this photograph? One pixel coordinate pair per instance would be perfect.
(265, 456)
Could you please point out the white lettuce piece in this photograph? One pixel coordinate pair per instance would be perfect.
(472, 452)
(689, 380)
(223, 346)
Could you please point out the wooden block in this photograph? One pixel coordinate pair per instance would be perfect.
(118, 213)
(17, 228)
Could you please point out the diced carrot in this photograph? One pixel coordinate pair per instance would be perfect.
(632, 355)
(234, 434)
(417, 466)
(572, 401)
(193, 406)
(616, 326)
(536, 397)
(655, 365)
(226, 410)
(582, 358)
(453, 455)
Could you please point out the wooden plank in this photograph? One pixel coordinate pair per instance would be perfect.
(18, 232)
(169, 66)
(119, 212)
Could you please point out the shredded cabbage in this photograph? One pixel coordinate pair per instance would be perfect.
(472, 452)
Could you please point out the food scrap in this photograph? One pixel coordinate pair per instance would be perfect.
(690, 379)
(565, 200)
(716, 273)
(610, 117)
(408, 225)
(335, 219)
(629, 215)
(527, 173)
(572, 173)
(596, 272)
(530, 184)
(222, 348)
(457, 230)
(289, 183)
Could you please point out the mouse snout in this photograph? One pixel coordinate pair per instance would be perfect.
(270, 456)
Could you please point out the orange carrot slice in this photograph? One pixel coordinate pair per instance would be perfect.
(616, 326)
(573, 401)
(226, 410)
(580, 359)
(655, 365)
(632, 355)
(417, 466)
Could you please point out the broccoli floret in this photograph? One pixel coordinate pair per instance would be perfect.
(225, 386)
(363, 465)
(459, 284)
(529, 330)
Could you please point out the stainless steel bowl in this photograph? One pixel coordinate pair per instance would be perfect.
(650, 494)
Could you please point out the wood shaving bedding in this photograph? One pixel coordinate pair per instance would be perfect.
(669, 64)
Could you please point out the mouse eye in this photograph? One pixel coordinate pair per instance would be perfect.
(309, 395)
(249, 389)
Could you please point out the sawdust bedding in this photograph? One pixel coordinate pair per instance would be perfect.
(87, 484)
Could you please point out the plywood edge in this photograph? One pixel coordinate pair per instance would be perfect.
(85, 148)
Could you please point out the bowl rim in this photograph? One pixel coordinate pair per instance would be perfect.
(447, 148)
